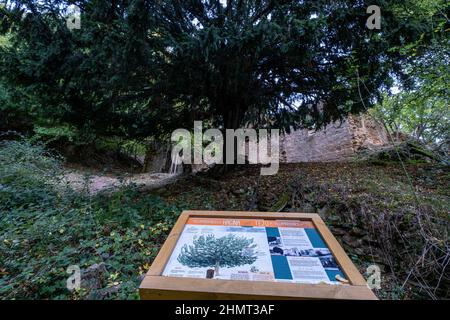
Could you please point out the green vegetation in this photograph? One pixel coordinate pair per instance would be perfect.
(422, 111)
(114, 91)
(371, 209)
(139, 69)
(44, 230)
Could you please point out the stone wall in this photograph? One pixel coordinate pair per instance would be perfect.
(337, 142)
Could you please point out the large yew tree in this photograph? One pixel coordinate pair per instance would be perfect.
(146, 67)
(285, 63)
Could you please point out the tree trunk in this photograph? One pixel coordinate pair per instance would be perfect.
(149, 153)
(231, 120)
(216, 269)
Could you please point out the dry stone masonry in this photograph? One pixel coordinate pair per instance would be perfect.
(337, 142)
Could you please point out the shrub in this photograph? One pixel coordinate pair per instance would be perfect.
(45, 229)
(26, 174)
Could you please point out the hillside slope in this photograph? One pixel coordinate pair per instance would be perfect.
(380, 213)
(113, 237)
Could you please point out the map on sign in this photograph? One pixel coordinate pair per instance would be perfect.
(254, 250)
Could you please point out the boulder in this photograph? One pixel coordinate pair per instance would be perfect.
(93, 277)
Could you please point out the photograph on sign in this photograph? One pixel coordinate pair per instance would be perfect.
(253, 250)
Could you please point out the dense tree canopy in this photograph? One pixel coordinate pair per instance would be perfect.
(83, 77)
(292, 62)
(142, 68)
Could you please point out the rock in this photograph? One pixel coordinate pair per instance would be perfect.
(325, 211)
(141, 277)
(338, 232)
(104, 293)
(406, 150)
(238, 192)
(307, 208)
(352, 242)
(357, 232)
(338, 142)
(93, 277)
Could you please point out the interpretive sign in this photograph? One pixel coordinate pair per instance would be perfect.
(252, 255)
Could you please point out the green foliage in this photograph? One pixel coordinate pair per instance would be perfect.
(26, 173)
(55, 133)
(422, 111)
(129, 147)
(144, 68)
(227, 251)
(44, 229)
(92, 78)
(423, 117)
(285, 63)
(17, 111)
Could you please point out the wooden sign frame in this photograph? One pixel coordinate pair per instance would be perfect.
(155, 286)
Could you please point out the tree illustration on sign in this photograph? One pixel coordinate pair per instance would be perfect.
(209, 251)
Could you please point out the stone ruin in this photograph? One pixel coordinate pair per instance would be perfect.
(339, 141)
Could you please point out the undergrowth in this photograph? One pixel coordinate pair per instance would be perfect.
(44, 230)
(371, 209)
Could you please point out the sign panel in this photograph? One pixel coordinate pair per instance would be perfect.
(253, 250)
(252, 255)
